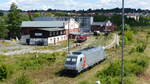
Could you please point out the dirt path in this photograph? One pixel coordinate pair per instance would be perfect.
(19, 49)
(113, 43)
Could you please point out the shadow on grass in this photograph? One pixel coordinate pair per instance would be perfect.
(66, 73)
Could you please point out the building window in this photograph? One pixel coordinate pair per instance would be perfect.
(56, 33)
(53, 33)
(38, 34)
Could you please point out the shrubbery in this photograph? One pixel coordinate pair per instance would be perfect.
(128, 36)
(37, 60)
(27, 61)
(140, 47)
(133, 67)
(5, 71)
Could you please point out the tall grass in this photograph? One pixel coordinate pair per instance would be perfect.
(23, 79)
(26, 62)
(134, 66)
(36, 60)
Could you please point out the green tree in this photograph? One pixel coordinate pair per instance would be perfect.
(60, 14)
(116, 19)
(126, 27)
(49, 14)
(1, 14)
(14, 21)
(37, 14)
(144, 20)
(100, 17)
(3, 28)
(24, 17)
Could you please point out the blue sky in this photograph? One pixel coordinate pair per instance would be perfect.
(73, 4)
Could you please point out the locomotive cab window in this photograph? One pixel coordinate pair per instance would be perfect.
(74, 59)
(71, 60)
(68, 59)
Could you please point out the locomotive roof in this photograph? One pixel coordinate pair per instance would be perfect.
(88, 49)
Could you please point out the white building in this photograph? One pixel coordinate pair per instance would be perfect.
(47, 32)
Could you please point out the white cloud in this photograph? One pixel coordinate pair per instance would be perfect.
(75, 4)
(104, 1)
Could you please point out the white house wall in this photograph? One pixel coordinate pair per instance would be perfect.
(72, 24)
(108, 23)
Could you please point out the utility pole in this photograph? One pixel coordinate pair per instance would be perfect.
(68, 35)
(122, 65)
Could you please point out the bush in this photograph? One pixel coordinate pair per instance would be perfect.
(23, 79)
(141, 47)
(132, 50)
(37, 60)
(141, 61)
(5, 72)
(133, 67)
(128, 37)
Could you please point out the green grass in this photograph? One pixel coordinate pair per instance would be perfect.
(4, 43)
(136, 61)
(2, 58)
(135, 65)
(23, 79)
(54, 47)
(26, 63)
(84, 82)
(101, 39)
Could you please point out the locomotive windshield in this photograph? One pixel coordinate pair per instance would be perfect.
(71, 60)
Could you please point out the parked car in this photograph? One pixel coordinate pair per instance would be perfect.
(81, 38)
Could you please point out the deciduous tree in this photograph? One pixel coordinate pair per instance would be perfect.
(14, 21)
(3, 28)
